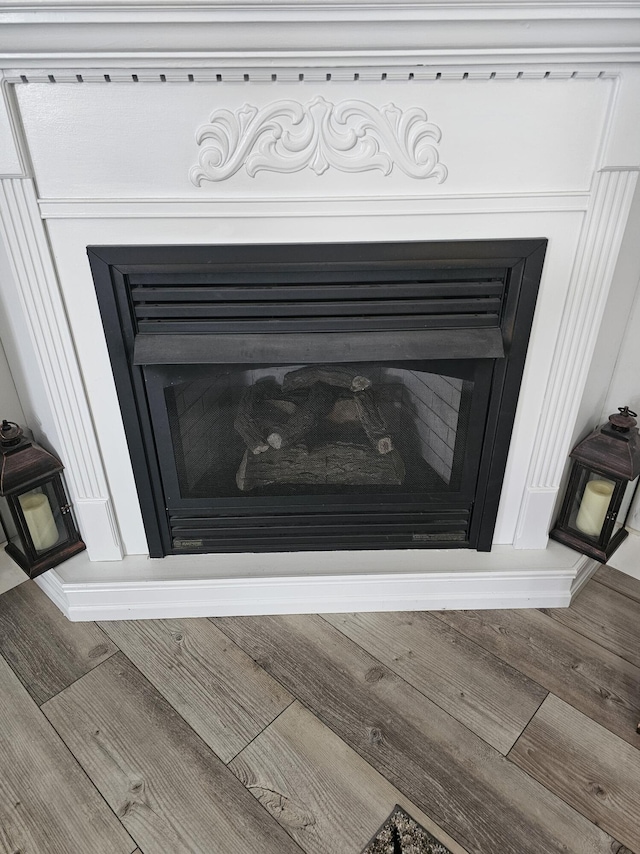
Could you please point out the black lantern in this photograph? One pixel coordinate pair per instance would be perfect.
(34, 510)
(601, 487)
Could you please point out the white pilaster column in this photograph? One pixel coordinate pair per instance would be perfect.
(37, 289)
(605, 222)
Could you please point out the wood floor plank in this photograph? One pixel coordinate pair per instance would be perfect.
(620, 581)
(217, 688)
(602, 685)
(47, 804)
(327, 797)
(465, 785)
(605, 616)
(485, 694)
(46, 651)
(587, 766)
(170, 791)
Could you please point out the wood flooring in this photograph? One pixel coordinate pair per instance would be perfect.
(502, 732)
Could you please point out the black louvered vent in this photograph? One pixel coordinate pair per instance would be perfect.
(336, 300)
(309, 531)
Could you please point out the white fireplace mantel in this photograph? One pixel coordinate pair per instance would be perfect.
(342, 32)
(531, 111)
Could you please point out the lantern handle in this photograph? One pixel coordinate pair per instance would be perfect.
(624, 410)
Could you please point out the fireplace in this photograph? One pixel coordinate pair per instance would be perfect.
(314, 124)
(318, 396)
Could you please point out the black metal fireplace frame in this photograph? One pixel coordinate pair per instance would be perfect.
(159, 338)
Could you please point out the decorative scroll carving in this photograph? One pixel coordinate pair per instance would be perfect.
(287, 136)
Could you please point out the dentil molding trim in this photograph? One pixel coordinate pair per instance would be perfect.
(288, 136)
(246, 72)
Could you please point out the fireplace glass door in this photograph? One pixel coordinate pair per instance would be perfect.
(286, 437)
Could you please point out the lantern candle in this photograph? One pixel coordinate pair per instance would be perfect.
(39, 518)
(593, 507)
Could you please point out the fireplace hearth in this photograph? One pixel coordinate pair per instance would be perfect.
(318, 396)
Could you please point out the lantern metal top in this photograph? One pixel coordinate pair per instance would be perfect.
(10, 433)
(614, 447)
(23, 465)
(623, 420)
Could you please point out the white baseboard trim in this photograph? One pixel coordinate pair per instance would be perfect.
(535, 518)
(53, 586)
(588, 567)
(121, 599)
(97, 516)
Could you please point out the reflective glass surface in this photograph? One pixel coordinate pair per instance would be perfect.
(310, 429)
(44, 520)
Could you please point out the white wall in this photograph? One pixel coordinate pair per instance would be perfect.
(10, 407)
(24, 381)
(613, 374)
(625, 383)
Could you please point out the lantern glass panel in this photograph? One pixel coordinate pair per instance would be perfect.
(591, 503)
(625, 506)
(9, 526)
(43, 517)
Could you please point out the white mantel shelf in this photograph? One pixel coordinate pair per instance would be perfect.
(537, 110)
(341, 31)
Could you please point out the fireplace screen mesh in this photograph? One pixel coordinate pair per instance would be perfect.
(315, 429)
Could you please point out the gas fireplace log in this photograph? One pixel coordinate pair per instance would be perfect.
(318, 404)
(338, 463)
(372, 422)
(335, 375)
(246, 422)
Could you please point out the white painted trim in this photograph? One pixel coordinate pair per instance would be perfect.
(12, 159)
(516, 580)
(508, 64)
(588, 568)
(314, 206)
(492, 32)
(533, 521)
(501, 9)
(39, 295)
(304, 595)
(591, 279)
(358, 72)
(51, 584)
(302, 11)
